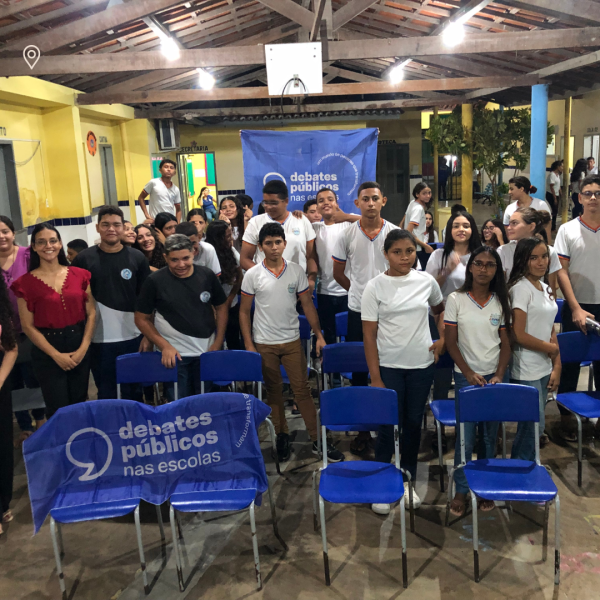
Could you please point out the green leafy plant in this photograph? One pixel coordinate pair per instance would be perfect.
(500, 139)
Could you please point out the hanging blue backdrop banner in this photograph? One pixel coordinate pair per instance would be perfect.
(308, 161)
(110, 450)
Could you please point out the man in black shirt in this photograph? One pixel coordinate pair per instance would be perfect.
(118, 273)
(175, 312)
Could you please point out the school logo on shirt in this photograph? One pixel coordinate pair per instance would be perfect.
(205, 297)
(495, 319)
(291, 288)
(296, 231)
(126, 274)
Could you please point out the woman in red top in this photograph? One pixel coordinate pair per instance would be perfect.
(58, 315)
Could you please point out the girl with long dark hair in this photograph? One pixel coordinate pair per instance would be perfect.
(536, 357)
(477, 332)
(206, 202)
(219, 235)
(164, 225)
(398, 346)
(146, 241)
(14, 262)
(197, 216)
(520, 191)
(8, 357)
(493, 234)
(431, 235)
(58, 314)
(232, 212)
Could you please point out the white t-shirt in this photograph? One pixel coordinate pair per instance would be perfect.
(507, 255)
(208, 258)
(580, 245)
(161, 198)
(478, 330)
(536, 203)
(541, 309)
(275, 314)
(456, 279)
(553, 179)
(400, 306)
(297, 233)
(327, 236)
(227, 287)
(415, 214)
(365, 255)
(592, 171)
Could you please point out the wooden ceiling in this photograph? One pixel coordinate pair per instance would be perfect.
(111, 51)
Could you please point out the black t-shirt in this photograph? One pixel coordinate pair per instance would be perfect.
(186, 304)
(117, 279)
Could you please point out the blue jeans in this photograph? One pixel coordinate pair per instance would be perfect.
(104, 369)
(412, 387)
(487, 434)
(524, 445)
(188, 379)
(211, 213)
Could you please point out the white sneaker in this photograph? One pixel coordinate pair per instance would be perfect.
(381, 509)
(415, 497)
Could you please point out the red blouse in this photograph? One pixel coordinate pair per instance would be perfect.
(50, 309)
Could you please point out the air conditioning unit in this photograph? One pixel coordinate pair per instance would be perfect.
(168, 134)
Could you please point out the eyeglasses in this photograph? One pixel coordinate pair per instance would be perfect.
(590, 195)
(489, 228)
(484, 266)
(42, 243)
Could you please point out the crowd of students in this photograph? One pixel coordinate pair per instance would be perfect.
(488, 300)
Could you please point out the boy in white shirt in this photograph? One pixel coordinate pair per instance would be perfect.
(275, 285)
(164, 194)
(578, 247)
(299, 232)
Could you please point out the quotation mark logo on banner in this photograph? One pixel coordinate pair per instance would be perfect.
(90, 466)
(31, 54)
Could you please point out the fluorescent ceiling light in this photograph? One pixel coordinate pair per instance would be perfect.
(453, 34)
(397, 73)
(169, 47)
(205, 79)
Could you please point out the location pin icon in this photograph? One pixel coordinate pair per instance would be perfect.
(31, 54)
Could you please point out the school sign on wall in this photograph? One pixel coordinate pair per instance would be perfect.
(308, 161)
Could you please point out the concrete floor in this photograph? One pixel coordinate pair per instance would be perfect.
(102, 563)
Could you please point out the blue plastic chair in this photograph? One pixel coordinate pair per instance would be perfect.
(500, 479)
(360, 482)
(576, 347)
(231, 366)
(343, 358)
(146, 369)
(234, 499)
(558, 318)
(341, 326)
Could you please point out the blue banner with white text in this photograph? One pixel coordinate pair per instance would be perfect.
(307, 161)
(112, 450)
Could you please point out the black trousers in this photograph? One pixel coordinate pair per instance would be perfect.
(233, 336)
(61, 388)
(577, 208)
(355, 334)
(6, 446)
(328, 307)
(554, 207)
(570, 372)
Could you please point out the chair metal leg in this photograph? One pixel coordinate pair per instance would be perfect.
(61, 545)
(160, 523)
(324, 538)
(273, 443)
(411, 507)
(176, 549)
(156, 394)
(255, 547)
(438, 426)
(579, 451)
(273, 513)
(403, 537)
(450, 488)
(319, 432)
(314, 487)
(557, 541)
(57, 555)
(475, 538)
(138, 531)
(545, 532)
(503, 439)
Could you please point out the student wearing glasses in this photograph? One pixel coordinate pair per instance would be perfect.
(578, 247)
(477, 330)
(58, 314)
